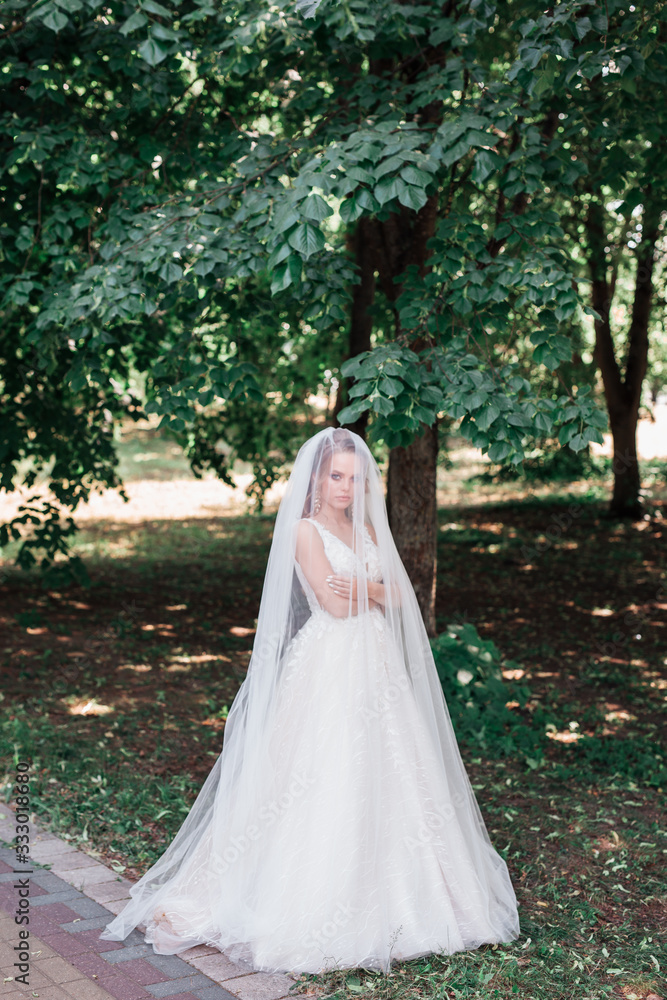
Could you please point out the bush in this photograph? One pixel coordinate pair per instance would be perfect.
(471, 673)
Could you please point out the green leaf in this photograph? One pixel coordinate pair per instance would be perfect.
(412, 197)
(306, 239)
(413, 175)
(151, 52)
(350, 210)
(499, 450)
(485, 164)
(286, 274)
(352, 412)
(156, 8)
(316, 208)
(137, 20)
(55, 20)
(485, 417)
(387, 189)
(171, 272)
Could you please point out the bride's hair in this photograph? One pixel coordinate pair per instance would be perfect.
(340, 440)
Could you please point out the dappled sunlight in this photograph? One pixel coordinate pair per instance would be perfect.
(137, 668)
(618, 714)
(513, 675)
(569, 735)
(86, 706)
(183, 663)
(564, 736)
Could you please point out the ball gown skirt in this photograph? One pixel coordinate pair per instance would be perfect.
(356, 850)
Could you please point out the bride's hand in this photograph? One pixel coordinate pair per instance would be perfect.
(343, 586)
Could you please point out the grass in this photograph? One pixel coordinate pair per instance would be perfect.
(118, 695)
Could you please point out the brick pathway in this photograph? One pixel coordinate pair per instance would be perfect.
(70, 903)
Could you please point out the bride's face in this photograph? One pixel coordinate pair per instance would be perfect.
(342, 480)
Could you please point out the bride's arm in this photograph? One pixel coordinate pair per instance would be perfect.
(316, 568)
(377, 592)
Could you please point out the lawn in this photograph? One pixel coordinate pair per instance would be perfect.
(118, 695)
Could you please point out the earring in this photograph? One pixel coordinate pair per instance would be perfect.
(317, 502)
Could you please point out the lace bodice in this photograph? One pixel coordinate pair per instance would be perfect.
(344, 560)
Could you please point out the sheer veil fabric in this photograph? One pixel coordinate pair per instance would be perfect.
(338, 827)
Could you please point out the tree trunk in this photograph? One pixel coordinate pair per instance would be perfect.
(623, 394)
(411, 491)
(626, 499)
(363, 243)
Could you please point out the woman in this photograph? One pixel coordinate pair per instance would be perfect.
(338, 828)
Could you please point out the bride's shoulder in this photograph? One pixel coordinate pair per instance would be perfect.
(371, 531)
(303, 530)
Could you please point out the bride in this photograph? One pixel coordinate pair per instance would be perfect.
(338, 827)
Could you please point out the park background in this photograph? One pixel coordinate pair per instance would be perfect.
(224, 227)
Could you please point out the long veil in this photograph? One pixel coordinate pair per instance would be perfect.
(227, 875)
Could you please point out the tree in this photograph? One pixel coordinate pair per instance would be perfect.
(614, 220)
(173, 161)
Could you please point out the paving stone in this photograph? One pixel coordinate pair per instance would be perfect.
(171, 965)
(43, 898)
(35, 978)
(173, 986)
(186, 996)
(5, 867)
(116, 906)
(57, 970)
(199, 951)
(104, 891)
(91, 964)
(83, 989)
(40, 949)
(59, 913)
(85, 924)
(51, 992)
(214, 993)
(260, 986)
(128, 954)
(41, 925)
(219, 967)
(81, 877)
(123, 988)
(88, 908)
(142, 971)
(70, 862)
(45, 850)
(65, 944)
(49, 882)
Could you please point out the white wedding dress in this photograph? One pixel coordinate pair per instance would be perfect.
(355, 855)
